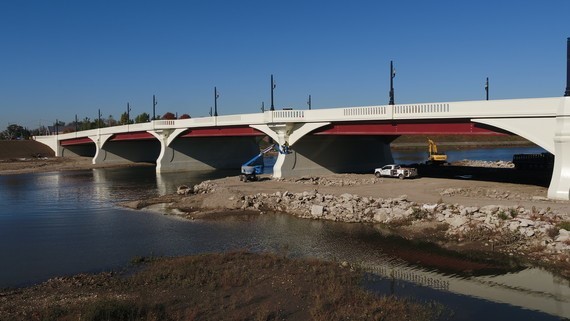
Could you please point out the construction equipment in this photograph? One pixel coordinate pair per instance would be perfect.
(254, 167)
(434, 156)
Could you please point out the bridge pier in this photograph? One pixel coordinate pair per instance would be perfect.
(560, 184)
(202, 153)
(325, 154)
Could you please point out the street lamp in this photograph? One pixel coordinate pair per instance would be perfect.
(272, 88)
(309, 102)
(487, 88)
(392, 75)
(98, 118)
(216, 96)
(567, 93)
(154, 102)
(262, 106)
(128, 113)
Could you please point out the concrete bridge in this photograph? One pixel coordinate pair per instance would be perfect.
(347, 139)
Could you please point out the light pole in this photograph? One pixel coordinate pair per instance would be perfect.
(128, 113)
(309, 102)
(392, 75)
(487, 88)
(262, 106)
(216, 96)
(98, 118)
(154, 102)
(567, 93)
(272, 88)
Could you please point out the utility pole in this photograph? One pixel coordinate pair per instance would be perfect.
(392, 75)
(216, 96)
(567, 93)
(487, 88)
(272, 87)
(128, 113)
(309, 102)
(262, 106)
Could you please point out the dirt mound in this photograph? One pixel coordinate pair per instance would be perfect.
(10, 149)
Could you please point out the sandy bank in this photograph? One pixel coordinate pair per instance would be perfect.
(489, 217)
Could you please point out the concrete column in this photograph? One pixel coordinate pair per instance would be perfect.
(286, 134)
(560, 183)
(100, 153)
(165, 137)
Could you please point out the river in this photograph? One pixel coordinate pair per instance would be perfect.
(62, 223)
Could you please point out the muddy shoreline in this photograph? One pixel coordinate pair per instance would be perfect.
(479, 219)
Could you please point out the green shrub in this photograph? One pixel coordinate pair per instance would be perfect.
(564, 224)
(502, 215)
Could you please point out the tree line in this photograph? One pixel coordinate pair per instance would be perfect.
(15, 131)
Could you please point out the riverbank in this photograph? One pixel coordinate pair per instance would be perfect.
(25, 165)
(230, 286)
(451, 142)
(486, 219)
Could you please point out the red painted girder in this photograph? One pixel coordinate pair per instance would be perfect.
(408, 128)
(132, 136)
(76, 141)
(222, 131)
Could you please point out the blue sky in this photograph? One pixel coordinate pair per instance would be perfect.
(60, 58)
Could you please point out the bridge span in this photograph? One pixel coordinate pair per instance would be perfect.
(334, 140)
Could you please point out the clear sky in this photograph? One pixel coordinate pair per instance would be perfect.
(59, 58)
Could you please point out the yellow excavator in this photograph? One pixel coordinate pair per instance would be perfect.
(434, 157)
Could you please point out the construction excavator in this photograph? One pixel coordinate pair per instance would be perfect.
(434, 157)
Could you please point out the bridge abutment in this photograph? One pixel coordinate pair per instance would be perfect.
(560, 184)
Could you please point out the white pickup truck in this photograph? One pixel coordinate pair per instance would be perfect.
(398, 171)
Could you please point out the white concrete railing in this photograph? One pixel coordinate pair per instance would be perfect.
(515, 108)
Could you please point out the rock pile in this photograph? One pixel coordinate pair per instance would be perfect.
(481, 163)
(497, 225)
(334, 180)
(514, 229)
(202, 188)
(482, 192)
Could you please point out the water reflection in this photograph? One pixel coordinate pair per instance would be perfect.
(64, 223)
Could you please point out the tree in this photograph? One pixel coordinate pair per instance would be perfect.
(184, 116)
(142, 118)
(169, 116)
(86, 124)
(124, 120)
(111, 121)
(15, 131)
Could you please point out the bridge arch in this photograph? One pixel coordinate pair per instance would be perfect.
(537, 130)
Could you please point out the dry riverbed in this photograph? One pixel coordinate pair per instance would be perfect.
(487, 218)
